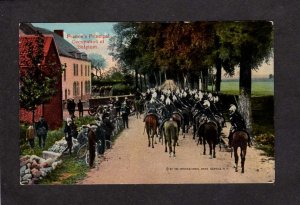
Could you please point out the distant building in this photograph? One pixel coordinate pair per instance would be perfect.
(52, 111)
(76, 79)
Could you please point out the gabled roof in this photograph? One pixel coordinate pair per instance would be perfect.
(24, 39)
(64, 47)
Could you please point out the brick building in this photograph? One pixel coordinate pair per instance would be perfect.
(52, 111)
(76, 80)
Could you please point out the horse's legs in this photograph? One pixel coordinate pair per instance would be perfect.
(204, 150)
(236, 158)
(210, 149)
(170, 147)
(152, 136)
(174, 145)
(194, 131)
(214, 150)
(243, 157)
(166, 144)
(148, 133)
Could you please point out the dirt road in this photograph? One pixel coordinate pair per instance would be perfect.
(131, 161)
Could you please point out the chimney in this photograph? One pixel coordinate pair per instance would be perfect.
(59, 32)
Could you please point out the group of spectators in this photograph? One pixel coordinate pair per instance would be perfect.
(71, 107)
(98, 132)
(39, 130)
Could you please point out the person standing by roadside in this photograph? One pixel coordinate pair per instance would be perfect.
(70, 131)
(30, 135)
(92, 144)
(125, 111)
(109, 128)
(80, 108)
(73, 107)
(117, 106)
(41, 131)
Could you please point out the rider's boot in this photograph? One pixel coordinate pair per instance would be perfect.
(249, 141)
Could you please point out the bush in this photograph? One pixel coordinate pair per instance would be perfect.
(22, 138)
(84, 120)
(121, 89)
(266, 142)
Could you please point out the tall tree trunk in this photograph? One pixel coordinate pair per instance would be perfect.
(218, 74)
(245, 78)
(136, 78)
(159, 77)
(33, 111)
(245, 92)
(145, 81)
(141, 82)
(205, 79)
(155, 77)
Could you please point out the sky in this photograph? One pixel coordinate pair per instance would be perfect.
(90, 33)
(95, 36)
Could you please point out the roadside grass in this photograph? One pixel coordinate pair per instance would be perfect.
(69, 172)
(259, 87)
(84, 120)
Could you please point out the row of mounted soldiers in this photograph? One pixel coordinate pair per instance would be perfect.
(194, 106)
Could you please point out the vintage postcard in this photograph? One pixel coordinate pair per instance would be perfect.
(146, 102)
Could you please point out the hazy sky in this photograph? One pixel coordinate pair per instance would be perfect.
(92, 34)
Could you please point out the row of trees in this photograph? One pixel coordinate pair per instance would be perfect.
(186, 51)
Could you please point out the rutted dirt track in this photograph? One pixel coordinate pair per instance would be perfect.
(131, 161)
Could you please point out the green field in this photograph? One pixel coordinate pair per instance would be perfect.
(260, 87)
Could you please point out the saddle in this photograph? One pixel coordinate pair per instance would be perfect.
(178, 114)
(148, 114)
(204, 119)
(240, 129)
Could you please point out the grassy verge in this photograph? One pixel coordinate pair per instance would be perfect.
(69, 172)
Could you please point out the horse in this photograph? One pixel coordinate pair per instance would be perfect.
(186, 121)
(239, 139)
(220, 119)
(138, 106)
(210, 135)
(151, 124)
(178, 118)
(170, 131)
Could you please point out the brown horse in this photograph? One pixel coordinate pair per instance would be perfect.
(171, 135)
(151, 124)
(177, 117)
(240, 139)
(138, 106)
(210, 134)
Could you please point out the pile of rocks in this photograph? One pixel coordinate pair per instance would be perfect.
(34, 168)
(61, 145)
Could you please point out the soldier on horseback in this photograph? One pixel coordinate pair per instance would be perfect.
(237, 124)
(209, 114)
(167, 111)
